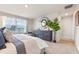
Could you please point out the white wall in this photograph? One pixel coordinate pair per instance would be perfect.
(66, 25)
(0, 21)
(77, 37)
(37, 24)
(76, 29)
(30, 23)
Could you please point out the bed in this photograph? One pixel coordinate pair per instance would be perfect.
(24, 44)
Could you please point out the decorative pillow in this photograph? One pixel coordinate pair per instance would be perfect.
(8, 35)
(3, 33)
(2, 39)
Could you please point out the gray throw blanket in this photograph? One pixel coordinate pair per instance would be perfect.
(20, 47)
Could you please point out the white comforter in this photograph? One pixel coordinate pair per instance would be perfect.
(32, 45)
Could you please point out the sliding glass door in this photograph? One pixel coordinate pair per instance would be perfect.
(15, 24)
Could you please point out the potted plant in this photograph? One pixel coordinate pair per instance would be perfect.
(54, 25)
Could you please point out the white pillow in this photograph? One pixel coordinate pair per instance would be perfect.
(8, 35)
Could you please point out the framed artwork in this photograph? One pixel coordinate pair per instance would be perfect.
(44, 21)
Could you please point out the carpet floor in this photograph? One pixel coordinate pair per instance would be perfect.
(62, 47)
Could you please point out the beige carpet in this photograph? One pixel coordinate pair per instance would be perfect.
(62, 47)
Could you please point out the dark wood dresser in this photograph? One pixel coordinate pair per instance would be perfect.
(44, 34)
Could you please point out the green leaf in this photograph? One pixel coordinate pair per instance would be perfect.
(54, 25)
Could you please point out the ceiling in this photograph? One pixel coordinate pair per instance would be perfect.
(32, 11)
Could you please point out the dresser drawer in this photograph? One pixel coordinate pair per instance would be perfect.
(45, 35)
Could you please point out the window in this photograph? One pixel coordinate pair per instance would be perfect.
(15, 24)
